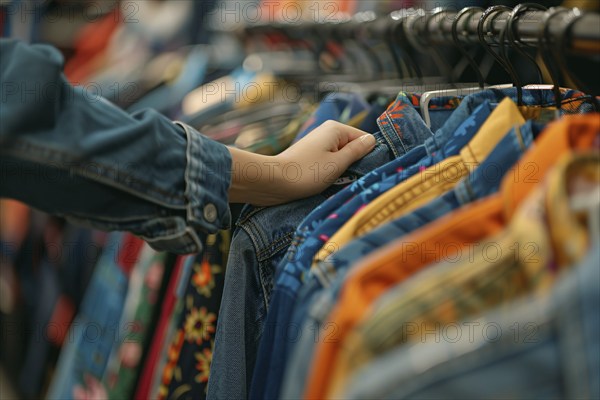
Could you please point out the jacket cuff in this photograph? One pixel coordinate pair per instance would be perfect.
(207, 179)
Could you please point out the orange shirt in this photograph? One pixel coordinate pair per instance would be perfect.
(445, 238)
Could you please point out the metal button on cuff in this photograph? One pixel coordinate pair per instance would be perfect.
(210, 212)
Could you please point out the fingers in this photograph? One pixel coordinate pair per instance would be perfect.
(340, 134)
(357, 149)
(349, 133)
(347, 144)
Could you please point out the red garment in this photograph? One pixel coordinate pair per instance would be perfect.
(129, 253)
(145, 382)
(2, 20)
(91, 41)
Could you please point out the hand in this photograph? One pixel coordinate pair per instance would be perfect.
(304, 169)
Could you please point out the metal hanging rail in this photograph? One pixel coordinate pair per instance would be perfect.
(583, 36)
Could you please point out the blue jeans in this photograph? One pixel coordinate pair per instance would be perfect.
(71, 153)
(548, 348)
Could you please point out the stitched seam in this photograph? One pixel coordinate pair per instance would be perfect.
(392, 125)
(274, 247)
(409, 195)
(246, 217)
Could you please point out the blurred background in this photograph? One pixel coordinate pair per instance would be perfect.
(159, 54)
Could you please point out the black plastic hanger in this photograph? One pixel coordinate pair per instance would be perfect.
(546, 51)
(482, 33)
(514, 41)
(402, 40)
(561, 39)
(466, 11)
(444, 68)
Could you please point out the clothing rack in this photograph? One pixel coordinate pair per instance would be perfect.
(582, 29)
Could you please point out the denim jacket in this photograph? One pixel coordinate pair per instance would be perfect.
(100, 166)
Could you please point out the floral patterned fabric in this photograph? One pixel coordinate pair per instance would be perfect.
(190, 352)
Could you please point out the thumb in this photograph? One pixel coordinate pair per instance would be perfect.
(355, 150)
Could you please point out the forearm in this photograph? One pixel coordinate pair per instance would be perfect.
(256, 179)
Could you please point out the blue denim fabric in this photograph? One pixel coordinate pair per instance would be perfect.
(139, 173)
(271, 362)
(95, 329)
(259, 242)
(336, 106)
(547, 348)
(300, 349)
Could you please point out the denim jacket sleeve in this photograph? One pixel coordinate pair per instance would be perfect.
(68, 151)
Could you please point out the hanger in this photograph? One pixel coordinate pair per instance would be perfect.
(482, 33)
(467, 89)
(402, 40)
(424, 45)
(546, 50)
(426, 97)
(370, 34)
(385, 30)
(364, 59)
(382, 30)
(560, 49)
(466, 11)
(508, 33)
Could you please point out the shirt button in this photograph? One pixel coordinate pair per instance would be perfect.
(210, 212)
